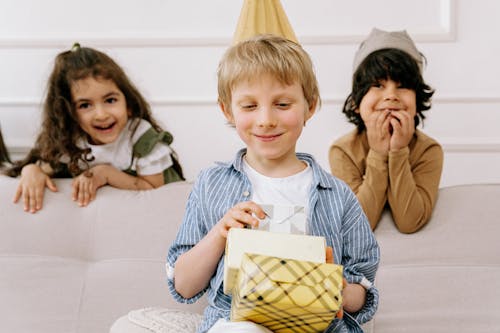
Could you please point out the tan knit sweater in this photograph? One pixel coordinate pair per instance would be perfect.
(406, 180)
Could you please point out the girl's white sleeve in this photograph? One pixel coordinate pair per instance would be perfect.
(158, 160)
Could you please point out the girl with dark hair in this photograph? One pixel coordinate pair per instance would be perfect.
(98, 129)
(386, 160)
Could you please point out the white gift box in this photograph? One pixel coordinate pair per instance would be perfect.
(287, 246)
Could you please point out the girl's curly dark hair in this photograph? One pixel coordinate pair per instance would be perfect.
(60, 130)
(385, 64)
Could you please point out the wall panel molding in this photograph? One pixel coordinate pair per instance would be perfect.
(441, 28)
(116, 42)
(208, 101)
(451, 142)
(479, 146)
(199, 24)
(473, 146)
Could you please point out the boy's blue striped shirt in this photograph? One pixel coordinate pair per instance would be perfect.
(334, 213)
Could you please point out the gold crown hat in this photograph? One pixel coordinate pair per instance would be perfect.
(263, 17)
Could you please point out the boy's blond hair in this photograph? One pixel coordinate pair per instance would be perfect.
(266, 54)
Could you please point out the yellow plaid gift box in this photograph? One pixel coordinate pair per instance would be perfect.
(241, 241)
(287, 295)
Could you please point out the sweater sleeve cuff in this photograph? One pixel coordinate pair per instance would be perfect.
(376, 159)
(402, 153)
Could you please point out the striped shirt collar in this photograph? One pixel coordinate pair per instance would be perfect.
(320, 177)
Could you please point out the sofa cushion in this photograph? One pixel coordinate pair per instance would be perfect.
(444, 278)
(72, 269)
(77, 269)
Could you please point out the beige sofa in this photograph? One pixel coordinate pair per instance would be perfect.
(70, 269)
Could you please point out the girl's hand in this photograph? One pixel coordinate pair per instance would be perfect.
(85, 185)
(240, 216)
(403, 125)
(32, 186)
(377, 130)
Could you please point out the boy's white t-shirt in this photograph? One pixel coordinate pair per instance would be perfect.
(281, 192)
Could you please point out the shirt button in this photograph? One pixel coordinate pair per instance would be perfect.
(246, 194)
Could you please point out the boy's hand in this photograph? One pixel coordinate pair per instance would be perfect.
(85, 185)
(32, 186)
(329, 255)
(239, 216)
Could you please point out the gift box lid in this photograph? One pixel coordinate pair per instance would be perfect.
(287, 246)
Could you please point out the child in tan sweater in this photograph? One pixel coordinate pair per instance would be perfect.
(386, 160)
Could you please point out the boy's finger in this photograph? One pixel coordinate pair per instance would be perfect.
(329, 255)
(340, 313)
(256, 209)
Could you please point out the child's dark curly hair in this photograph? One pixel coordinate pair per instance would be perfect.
(385, 64)
(60, 130)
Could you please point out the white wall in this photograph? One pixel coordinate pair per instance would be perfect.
(171, 48)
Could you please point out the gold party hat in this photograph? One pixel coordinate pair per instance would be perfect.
(263, 17)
